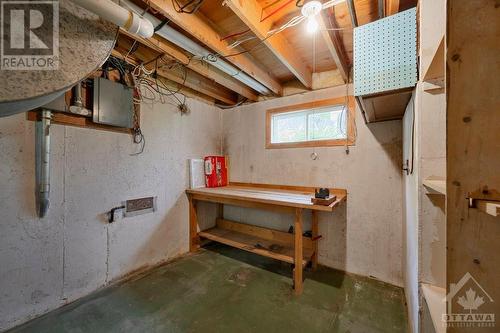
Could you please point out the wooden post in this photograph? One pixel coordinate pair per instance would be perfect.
(220, 211)
(194, 241)
(315, 233)
(297, 272)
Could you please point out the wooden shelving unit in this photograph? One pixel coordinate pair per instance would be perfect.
(434, 74)
(434, 297)
(489, 207)
(265, 242)
(435, 185)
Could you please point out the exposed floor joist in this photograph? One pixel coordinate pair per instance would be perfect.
(249, 12)
(334, 45)
(161, 45)
(381, 9)
(174, 86)
(391, 7)
(200, 28)
(352, 13)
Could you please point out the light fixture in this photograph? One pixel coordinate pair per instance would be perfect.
(309, 11)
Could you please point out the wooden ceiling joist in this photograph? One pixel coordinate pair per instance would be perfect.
(334, 45)
(187, 78)
(391, 7)
(249, 12)
(381, 9)
(161, 45)
(171, 85)
(195, 81)
(200, 28)
(352, 13)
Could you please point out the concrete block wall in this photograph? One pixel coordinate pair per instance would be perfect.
(365, 235)
(45, 263)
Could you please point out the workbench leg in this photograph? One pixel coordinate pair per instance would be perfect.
(194, 240)
(297, 272)
(220, 211)
(315, 233)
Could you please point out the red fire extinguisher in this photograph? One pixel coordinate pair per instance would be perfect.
(215, 171)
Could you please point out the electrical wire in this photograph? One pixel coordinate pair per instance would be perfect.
(181, 9)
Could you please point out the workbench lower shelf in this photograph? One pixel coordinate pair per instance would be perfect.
(279, 248)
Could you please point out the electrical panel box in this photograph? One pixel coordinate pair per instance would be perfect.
(113, 103)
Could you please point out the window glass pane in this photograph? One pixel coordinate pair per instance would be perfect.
(289, 127)
(327, 125)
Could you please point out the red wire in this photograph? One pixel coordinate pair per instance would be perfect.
(236, 34)
(276, 10)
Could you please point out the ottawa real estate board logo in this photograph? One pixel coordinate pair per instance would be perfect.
(29, 35)
(468, 305)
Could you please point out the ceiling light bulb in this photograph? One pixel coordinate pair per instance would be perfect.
(312, 25)
(311, 8)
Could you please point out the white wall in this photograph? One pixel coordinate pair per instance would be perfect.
(425, 233)
(411, 207)
(46, 263)
(363, 236)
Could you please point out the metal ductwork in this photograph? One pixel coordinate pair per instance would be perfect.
(127, 19)
(187, 44)
(42, 162)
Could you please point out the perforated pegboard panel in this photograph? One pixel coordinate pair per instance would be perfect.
(385, 54)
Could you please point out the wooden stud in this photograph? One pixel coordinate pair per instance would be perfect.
(315, 234)
(200, 28)
(335, 47)
(297, 271)
(249, 12)
(220, 211)
(194, 240)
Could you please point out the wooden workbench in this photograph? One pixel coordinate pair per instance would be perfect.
(292, 248)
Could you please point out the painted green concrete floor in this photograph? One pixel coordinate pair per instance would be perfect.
(221, 289)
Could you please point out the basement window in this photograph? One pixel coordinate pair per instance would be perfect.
(316, 124)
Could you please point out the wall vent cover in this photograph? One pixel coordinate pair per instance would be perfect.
(140, 206)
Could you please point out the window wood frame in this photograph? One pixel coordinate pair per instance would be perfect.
(350, 140)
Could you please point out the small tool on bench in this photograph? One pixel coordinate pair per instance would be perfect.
(322, 197)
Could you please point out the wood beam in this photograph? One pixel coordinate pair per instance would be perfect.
(335, 47)
(381, 9)
(200, 28)
(249, 12)
(352, 13)
(161, 45)
(391, 7)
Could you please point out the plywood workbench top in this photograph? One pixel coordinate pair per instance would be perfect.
(287, 196)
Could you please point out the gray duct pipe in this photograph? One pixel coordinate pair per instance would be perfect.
(187, 44)
(42, 162)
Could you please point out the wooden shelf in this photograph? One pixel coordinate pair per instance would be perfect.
(435, 185)
(384, 106)
(489, 207)
(265, 242)
(434, 297)
(435, 72)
